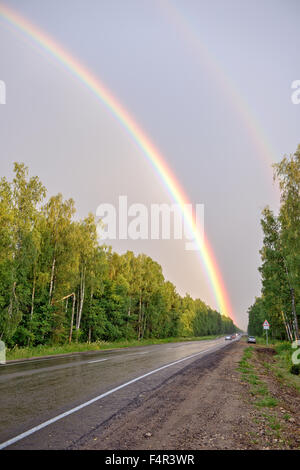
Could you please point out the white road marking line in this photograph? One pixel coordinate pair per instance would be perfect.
(97, 360)
(31, 361)
(16, 363)
(41, 360)
(63, 356)
(135, 354)
(93, 400)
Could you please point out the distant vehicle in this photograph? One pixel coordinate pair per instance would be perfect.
(232, 336)
(227, 337)
(251, 339)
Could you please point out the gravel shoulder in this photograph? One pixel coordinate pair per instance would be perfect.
(209, 406)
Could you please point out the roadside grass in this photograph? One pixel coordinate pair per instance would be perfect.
(281, 366)
(271, 422)
(261, 340)
(244, 365)
(286, 416)
(54, 349)
(252, 379)
(258, 387)
(259, 391)
(266, 402)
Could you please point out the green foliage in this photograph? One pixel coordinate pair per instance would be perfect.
(268, 402)
(283, 346)
(280, 254)
(245, 367)
(17, 352)
(58, 285)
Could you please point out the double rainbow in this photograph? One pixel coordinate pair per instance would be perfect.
(136, 133)
(178, 17)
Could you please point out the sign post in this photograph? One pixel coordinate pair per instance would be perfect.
(266, 327)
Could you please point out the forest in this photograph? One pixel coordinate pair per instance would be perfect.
(59, 284)
(279, 302)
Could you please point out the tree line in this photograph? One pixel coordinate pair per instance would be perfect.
(279, 302)
(59, 284)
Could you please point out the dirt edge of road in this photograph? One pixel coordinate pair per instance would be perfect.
(209, 405)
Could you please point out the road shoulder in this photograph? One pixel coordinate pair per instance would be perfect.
(208, 405)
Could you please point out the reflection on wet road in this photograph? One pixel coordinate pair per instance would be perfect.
(35, 391)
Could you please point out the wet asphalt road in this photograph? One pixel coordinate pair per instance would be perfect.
(33, 392)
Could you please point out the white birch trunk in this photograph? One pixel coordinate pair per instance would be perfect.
(51, 280)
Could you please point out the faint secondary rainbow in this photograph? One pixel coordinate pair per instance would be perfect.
(147, 147)
(178, 17)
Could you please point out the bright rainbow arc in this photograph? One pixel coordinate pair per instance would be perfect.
(148, 149)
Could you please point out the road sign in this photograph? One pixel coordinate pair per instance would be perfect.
(266, 326)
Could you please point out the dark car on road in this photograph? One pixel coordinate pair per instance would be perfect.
(251, 339)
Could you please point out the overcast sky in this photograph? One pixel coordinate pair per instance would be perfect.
(210, 84)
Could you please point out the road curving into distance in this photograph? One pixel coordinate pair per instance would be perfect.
(51, 403)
